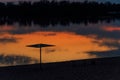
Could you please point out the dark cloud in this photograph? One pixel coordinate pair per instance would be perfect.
(49, 50)
(89, 30)
(110, 43)
(50, 34)
(111, 53)
(23, 30)
(16, 60)
(8, 40)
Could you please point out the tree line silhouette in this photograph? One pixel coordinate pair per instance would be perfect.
(63, 8)
(46, 12)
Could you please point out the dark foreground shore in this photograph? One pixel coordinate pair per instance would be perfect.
(91, 69)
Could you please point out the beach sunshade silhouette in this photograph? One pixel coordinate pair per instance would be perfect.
(40, 46)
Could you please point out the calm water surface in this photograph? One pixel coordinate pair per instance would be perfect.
(73, 42)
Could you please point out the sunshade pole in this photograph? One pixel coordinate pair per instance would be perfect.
(40, 56)
(40, 46)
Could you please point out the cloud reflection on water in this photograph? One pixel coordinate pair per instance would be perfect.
(9, 60)
(74, 41)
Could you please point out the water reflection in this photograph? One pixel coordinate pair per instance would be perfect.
(46, 21)
(73, 41)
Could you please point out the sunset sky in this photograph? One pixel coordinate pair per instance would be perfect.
(114, 1)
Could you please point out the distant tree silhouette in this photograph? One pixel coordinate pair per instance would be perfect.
(46, 12)
(61, 9)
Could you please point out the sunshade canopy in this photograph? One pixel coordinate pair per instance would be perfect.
(40, 45)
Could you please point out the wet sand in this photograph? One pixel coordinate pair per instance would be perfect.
(90, 69)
